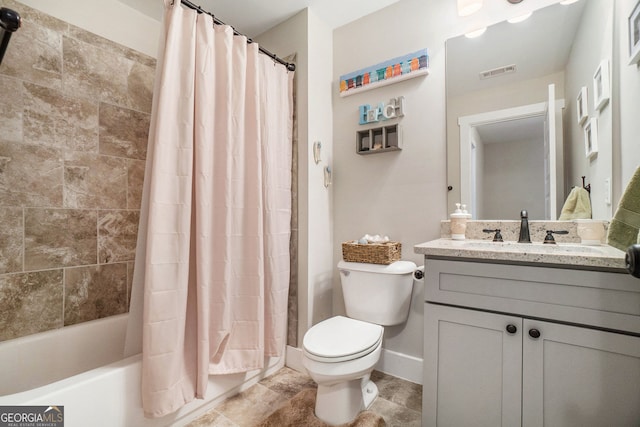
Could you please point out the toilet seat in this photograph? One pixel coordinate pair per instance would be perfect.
(340, 339)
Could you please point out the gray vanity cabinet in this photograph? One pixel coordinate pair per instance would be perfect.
(580, 377)
(504, 346)
(472, 369)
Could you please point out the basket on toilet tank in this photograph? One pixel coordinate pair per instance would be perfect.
(372, 253)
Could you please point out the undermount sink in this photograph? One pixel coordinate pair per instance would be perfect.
(564, 248)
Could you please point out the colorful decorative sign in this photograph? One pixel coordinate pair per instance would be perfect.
(391, 110)
(384, 73)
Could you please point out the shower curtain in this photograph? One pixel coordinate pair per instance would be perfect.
(212, 262)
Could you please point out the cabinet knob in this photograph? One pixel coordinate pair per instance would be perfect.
(534, 333)
(512, 329)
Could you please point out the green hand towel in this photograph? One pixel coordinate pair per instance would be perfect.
(577, 205)
(624, 227)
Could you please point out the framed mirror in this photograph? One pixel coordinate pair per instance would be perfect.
(513, 141)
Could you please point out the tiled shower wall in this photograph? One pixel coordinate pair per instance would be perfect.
(74, 118)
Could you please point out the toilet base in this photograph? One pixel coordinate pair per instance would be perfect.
(341, 403)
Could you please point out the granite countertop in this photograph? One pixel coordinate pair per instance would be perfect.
(563, 255)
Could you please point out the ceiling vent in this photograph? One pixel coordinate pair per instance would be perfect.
(498, 72)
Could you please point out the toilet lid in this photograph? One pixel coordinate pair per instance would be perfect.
(340, 338)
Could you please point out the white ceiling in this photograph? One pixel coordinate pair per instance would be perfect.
(253, 17)
(538, 46)
(524, 129)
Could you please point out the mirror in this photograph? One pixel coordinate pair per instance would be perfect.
(514, 138)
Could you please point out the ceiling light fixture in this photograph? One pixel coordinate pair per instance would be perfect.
(467, 7)
(475, 33)
(567, 2)
(519, 18)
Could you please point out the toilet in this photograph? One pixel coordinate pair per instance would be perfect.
(340, 353)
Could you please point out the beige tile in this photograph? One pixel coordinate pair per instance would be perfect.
(59, 238)
(242, 409)
(104, 75)
(101, 42)
(135, 182)
(292, 298)
(94, 292)
(288, 382)
(396, 390)
(117, 234)
(11, 244)
(30, 175)
(31, 303)
(210, 419)
(54, 119)
(123, 132)
(34, 53)
(11, 109)
(95, 181)
(29, 14)
(130, 266)
(140, 85)
(95, 73)
(52, 176)
(250, 406)
(396, 415)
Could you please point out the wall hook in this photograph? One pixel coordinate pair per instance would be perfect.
(317, 151)
(327, 177)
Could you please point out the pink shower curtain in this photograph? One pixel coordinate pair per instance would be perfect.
(213, 245)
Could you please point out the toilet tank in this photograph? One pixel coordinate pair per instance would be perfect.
(375, 293)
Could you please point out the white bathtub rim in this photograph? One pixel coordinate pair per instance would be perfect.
(35, 360)
(40, 393)
(48, 394)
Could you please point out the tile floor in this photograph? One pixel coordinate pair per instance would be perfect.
(399, 402)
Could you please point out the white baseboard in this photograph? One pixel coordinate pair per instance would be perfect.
(393, 363)
(400, 365)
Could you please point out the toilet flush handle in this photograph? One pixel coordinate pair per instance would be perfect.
(345, 272)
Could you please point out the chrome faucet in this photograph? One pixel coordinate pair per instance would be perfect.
(524, 228)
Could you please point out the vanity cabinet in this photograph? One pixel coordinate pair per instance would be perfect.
(510, 345)
(472, 368)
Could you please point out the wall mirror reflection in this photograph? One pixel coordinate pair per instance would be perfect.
(513, 141)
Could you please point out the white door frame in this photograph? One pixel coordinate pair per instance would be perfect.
(466, 123)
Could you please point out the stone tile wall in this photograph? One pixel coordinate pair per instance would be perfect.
(74, 119)
(292, 300)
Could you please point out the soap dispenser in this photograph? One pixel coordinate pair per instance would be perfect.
(459, 222)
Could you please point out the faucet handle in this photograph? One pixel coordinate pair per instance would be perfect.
(497, 237)
(524, 214)
(549, 237)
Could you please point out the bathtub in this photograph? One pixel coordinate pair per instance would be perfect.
(81, 368)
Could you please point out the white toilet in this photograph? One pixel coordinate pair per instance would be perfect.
(339, 353)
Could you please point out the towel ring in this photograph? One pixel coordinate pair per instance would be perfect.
(586, 187)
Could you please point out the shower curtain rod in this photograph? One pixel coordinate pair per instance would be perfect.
(290, 66)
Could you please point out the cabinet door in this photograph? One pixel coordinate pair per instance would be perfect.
(472, 368)
(579, 377)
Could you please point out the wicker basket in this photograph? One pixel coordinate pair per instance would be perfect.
(372, 253)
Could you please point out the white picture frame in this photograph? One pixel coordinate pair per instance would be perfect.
(634, 34)
(591, 138)
(601, 91)
(582, 109)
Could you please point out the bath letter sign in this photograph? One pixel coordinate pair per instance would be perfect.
(391, 110)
